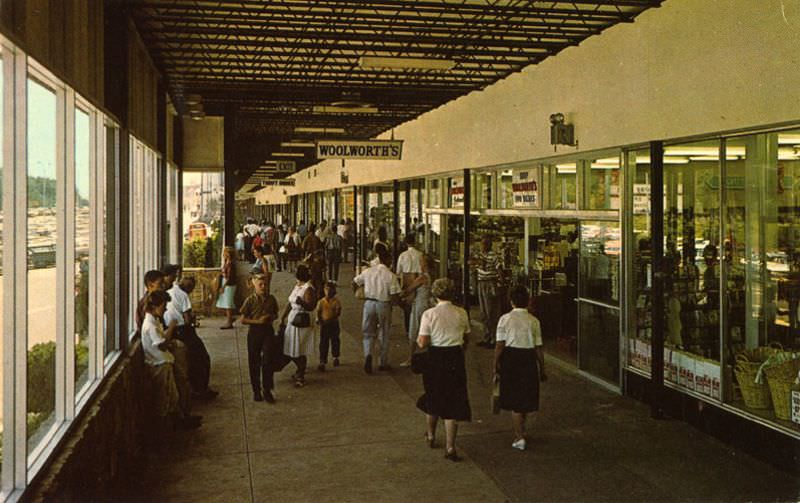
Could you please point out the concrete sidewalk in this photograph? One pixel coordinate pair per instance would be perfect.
(348, 436)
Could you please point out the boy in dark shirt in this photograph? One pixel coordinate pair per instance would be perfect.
(259, 310)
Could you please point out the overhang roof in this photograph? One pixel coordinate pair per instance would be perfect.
(266, 65)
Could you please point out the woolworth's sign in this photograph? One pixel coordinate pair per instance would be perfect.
(378, 150)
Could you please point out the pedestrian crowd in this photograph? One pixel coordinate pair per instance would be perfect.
(436, 326)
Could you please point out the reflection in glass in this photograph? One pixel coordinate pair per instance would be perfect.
(761, 257)
(82, 237)
(42, 239)
(602, 184)
(505, 191)
(601, 246)
(599, 344)
(563, 185)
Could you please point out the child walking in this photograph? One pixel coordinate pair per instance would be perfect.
(259, 310)
(328, 311)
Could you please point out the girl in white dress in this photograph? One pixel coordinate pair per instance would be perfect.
(299, 341)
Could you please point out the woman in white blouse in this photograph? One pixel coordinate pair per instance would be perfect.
(443, 330)
(519, 361)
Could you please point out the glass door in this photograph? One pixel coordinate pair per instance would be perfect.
(598, 299)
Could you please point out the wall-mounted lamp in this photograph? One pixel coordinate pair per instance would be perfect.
(560, 133)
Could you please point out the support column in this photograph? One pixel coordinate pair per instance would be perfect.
(336, 194)
(467, 232)
(355, 228)
(395, 219)
(363, 249)
(230, 207)
(657, 304)
(407, 222)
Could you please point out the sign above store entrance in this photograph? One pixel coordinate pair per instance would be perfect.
(377, 150)
(525, 188)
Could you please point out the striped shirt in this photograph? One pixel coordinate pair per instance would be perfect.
(488, 266)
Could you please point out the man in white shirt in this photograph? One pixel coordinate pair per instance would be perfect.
(179, 309)
(381, 288)
(409, 266)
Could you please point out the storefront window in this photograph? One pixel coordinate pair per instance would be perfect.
(434, 193)
(562, 181)
(761, 257)
(505, 192)
(602, 184)
(481, 191)
(455, 192)
(600, 248)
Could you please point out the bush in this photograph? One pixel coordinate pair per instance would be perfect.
(197, 253)
(41, 378)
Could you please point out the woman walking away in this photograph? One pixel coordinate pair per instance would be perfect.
(228, 273)
(292, 244)
(443, 329)
(420, 289)
(519, 362)
(296, 317)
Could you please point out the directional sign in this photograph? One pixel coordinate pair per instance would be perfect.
(288, 182)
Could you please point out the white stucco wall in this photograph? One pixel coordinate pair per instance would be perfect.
(687, 68)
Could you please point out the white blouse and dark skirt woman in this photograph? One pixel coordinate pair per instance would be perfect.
(519, 367)
(445, 378)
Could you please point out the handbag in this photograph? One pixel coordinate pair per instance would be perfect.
(301, 320)
(495, 401)
(419, 362)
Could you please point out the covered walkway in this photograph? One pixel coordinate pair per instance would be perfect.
(348, 436)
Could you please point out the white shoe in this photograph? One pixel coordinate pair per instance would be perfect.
(519, 444)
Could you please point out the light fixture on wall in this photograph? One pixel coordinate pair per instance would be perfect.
(561, 133)
(288, 154)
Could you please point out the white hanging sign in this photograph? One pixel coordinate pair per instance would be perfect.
(377, 150)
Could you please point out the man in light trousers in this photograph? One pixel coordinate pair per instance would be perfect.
(381, 289)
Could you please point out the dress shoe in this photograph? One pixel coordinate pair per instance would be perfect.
(257, 396)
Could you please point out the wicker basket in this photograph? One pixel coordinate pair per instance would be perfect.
(780, 379)
(755, 395)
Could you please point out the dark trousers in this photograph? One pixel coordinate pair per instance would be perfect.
(329, 336)
(333, 257)
(199, 368)
(260, 346)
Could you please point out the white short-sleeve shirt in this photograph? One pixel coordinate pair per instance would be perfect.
(152, 336)
(379, 283)
(445, 324)
(519, 329)
(410, 261)
(179, 303)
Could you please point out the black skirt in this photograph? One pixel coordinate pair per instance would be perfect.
(519, 380)
(445, 381)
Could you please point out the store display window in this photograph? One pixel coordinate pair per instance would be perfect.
(482, 190)
(434, 193)
(505, 190)
(600, 251)
(760, 255)
(602, 183)
(562, 185)
(455, 192)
